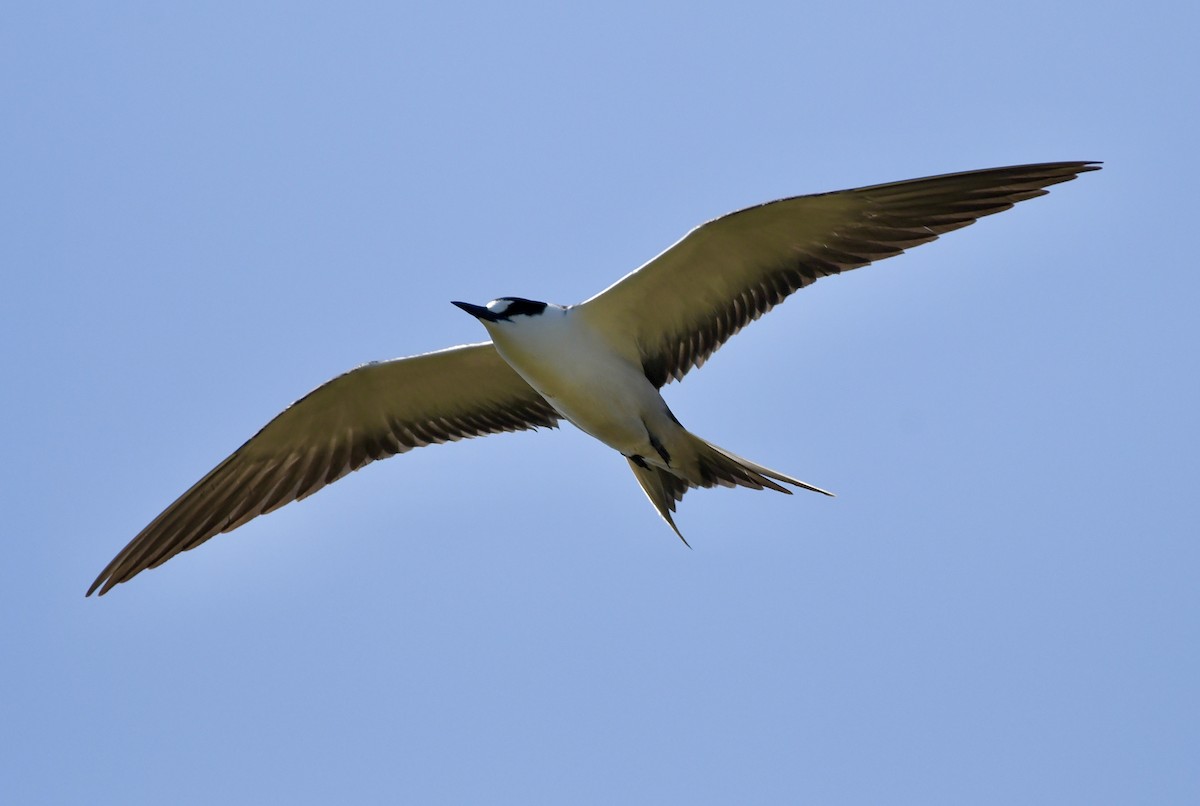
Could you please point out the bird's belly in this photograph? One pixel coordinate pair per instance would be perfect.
(601, 395)
(613, 419)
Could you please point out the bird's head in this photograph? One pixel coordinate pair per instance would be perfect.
(505, 309)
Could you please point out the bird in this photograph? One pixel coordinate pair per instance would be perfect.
(599, 364)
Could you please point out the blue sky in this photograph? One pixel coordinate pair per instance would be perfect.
(212, 208)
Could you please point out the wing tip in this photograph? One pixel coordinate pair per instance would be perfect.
(107, 578)
(101, 580)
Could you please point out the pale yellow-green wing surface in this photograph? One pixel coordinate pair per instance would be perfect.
(372, 412)
(676, 310)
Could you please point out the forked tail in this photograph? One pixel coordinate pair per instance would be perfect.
(713, 467)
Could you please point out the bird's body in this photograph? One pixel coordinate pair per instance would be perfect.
(599, 364)
(588, 369)
(587, 379)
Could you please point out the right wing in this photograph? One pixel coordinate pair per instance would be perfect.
(372, 412)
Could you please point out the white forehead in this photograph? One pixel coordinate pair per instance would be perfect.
(498, 306)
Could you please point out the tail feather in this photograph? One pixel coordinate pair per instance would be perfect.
(663, 488)
(731, 470)
(715, 467)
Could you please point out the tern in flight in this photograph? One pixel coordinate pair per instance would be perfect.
(599, 364)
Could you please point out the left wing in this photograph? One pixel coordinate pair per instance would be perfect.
(675, 311)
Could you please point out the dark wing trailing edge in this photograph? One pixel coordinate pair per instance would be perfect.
(685, 303)
(372, 412)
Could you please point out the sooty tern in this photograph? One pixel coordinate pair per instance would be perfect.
(599, 364)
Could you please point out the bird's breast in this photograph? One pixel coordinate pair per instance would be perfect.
(587, 383)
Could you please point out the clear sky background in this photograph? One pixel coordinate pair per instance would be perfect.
(208, 209)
